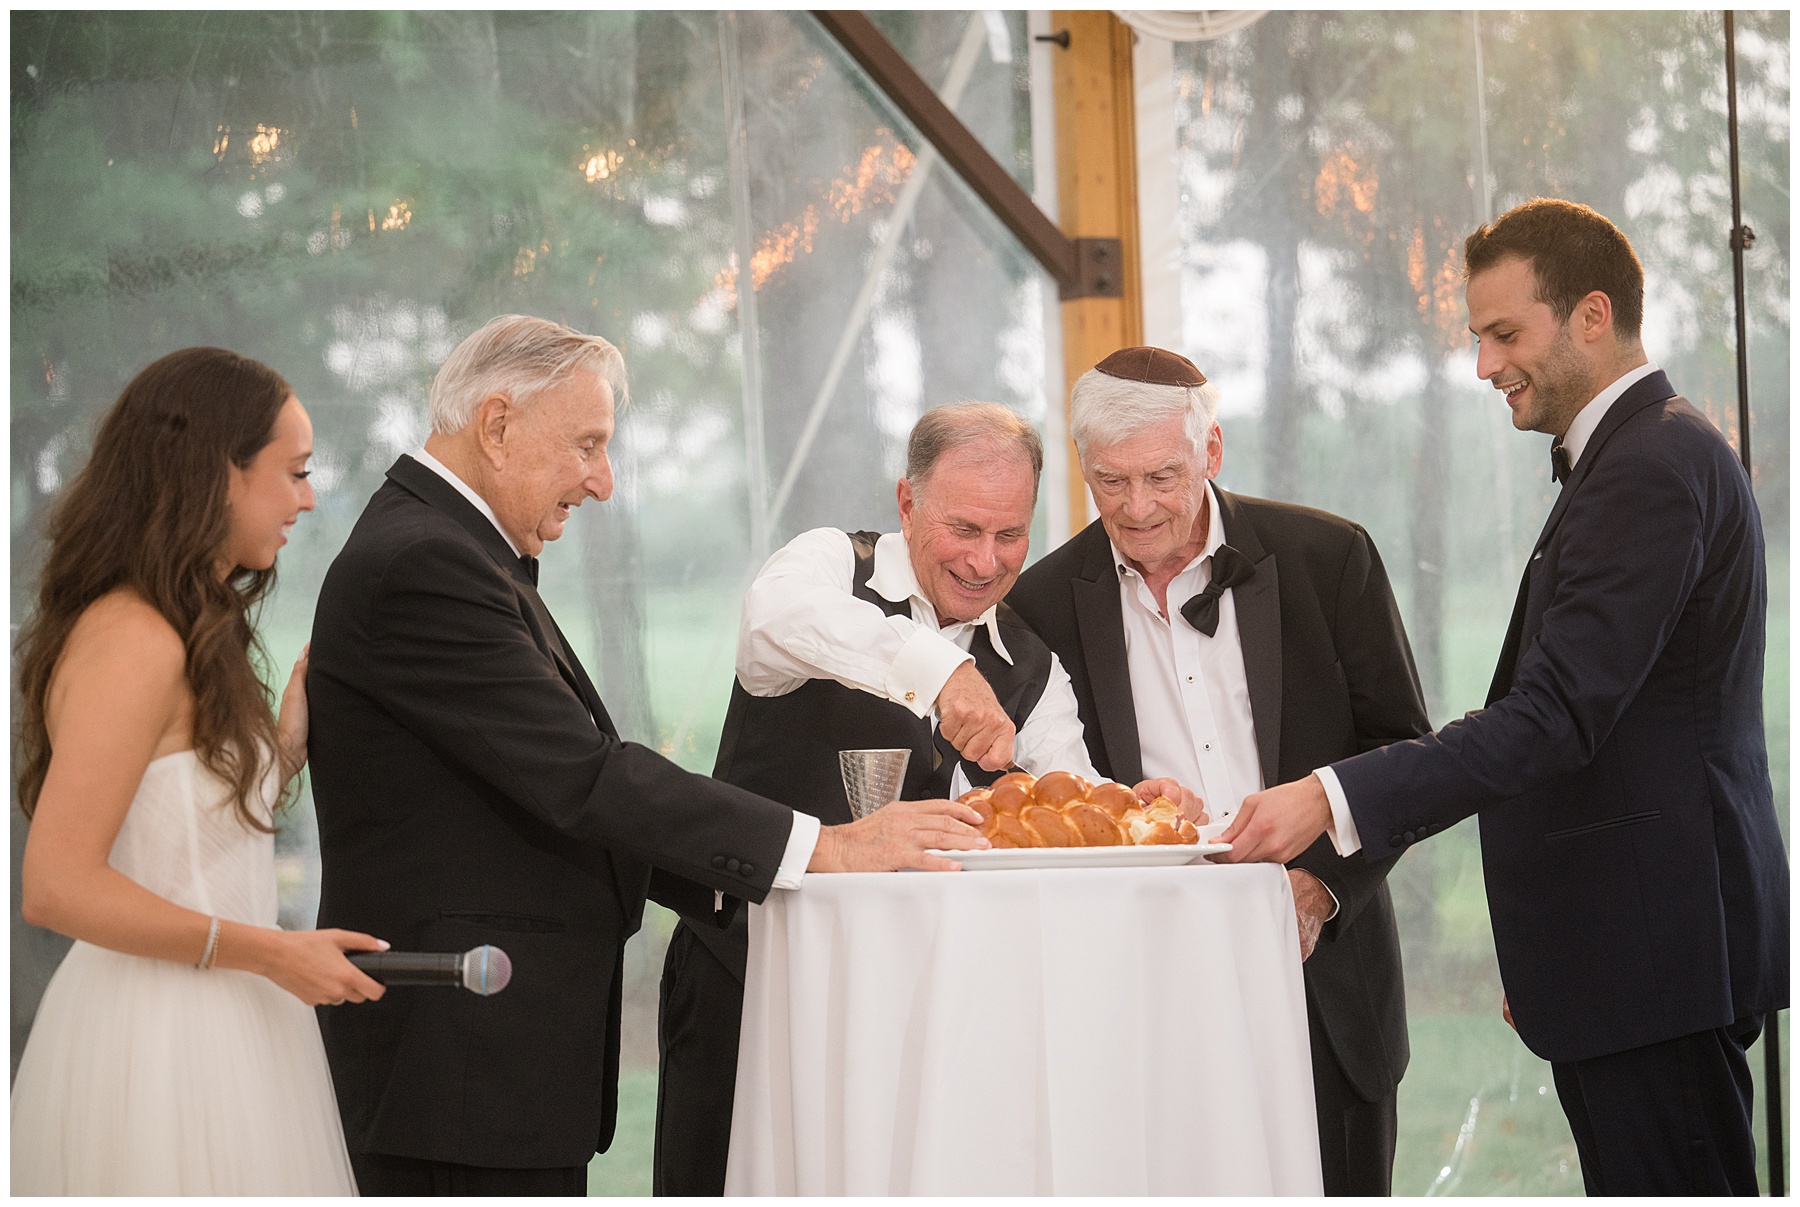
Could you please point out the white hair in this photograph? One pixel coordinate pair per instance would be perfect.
(520, 357)
(1104, 410)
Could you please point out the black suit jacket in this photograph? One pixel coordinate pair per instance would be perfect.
(471, 789)
(1330, 674)
(1635, 874)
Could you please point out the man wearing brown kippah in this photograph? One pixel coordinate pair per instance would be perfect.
(1234, 643)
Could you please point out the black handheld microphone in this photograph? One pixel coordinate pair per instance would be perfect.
(484, 970)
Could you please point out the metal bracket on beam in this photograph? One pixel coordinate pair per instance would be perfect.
(1100, 270)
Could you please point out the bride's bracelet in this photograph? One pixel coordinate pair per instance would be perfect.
(212, 946)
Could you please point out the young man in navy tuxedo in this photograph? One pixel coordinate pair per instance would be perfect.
(1635, 874)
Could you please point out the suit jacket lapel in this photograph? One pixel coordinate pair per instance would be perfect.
(1258, 606)
(550, 639)
(1652, 389)
(1100, 620)
(584, 687)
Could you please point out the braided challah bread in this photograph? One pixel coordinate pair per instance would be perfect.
(1064, 810)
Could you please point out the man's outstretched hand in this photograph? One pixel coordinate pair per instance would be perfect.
(1190, 804)
(897, 835)
(1276, 825)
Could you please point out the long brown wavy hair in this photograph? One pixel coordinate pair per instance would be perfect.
(148, 513)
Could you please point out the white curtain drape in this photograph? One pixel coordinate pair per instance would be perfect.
(1190, 26)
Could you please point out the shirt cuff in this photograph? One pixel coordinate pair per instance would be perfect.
(1343, 826)
(1335, 906)
(802, 840)
(921, 668)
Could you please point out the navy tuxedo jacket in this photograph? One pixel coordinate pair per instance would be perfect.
(471, 789)
(1635, 876)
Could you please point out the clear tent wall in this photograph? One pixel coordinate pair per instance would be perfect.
(793, 275)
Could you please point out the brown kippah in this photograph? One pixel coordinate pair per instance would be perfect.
(1153, 366)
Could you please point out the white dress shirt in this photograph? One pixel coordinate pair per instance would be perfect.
(802, 622)
(804, 836)
(1342, 830)
(1189, 690)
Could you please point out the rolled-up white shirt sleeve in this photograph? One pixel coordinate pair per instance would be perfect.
(803, 839)
(1051, 738)
(1343, 826)
(802, 622)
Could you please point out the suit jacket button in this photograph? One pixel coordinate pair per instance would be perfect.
(746, 870)
(718, 861)
(1409, 836)
(731, 865)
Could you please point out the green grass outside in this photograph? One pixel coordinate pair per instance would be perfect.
(1478, 1116)
(624, 1169)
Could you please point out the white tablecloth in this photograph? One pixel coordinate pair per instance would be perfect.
(1108, 1031)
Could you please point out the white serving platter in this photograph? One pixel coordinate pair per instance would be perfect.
(1083, 857)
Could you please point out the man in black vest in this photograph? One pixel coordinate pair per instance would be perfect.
(1636, 878)
(1234, 642)
(852, 641)
(471, 789)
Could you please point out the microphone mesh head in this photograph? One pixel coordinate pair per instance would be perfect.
(486, 970)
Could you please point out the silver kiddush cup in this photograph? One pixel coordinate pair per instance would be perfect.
(872, 778)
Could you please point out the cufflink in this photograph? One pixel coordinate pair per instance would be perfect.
(909, 696)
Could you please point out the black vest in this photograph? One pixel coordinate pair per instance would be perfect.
(785, 747)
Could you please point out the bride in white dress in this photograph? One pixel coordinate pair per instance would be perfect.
(175, 1051)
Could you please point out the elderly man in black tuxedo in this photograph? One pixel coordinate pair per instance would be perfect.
(1636, 878)
(472, 789)
(1230, 643)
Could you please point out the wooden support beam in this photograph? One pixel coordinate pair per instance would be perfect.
(1082, 267)
(1096, 167)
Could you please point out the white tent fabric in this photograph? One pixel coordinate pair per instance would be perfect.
(1201, 26)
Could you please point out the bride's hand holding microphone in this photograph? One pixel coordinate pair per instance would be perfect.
(310, 964)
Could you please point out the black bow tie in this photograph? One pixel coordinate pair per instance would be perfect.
(529, 564)
(1560, 469)
(1229, 569)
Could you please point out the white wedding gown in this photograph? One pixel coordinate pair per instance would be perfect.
(147, 1077)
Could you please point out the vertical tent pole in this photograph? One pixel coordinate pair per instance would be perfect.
(1741, 238)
